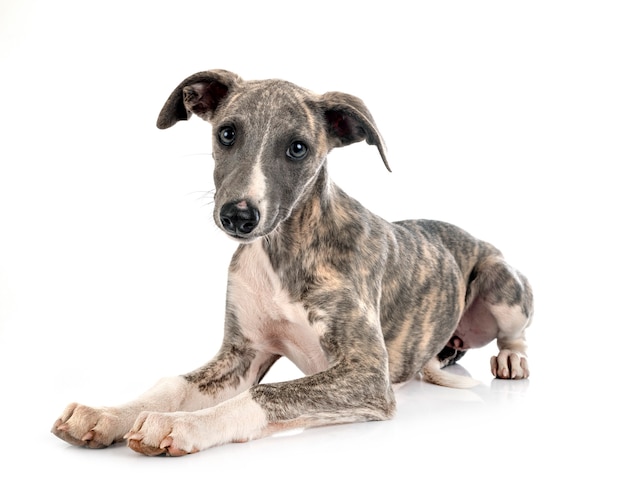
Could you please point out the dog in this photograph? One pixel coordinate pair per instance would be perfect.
(359, 304)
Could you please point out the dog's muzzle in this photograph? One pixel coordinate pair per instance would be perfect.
(239, 219)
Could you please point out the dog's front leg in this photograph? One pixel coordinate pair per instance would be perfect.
(231, 371)
(355, 389)
(238, 419)
(97, 427)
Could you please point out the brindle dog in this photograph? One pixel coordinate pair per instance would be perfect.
(357, 303)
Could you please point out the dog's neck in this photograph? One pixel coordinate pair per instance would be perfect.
(325, 217)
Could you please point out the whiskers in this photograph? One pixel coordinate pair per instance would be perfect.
(206, 197)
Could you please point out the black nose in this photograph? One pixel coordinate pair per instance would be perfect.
(239, 218)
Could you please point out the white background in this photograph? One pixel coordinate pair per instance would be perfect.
(506, 118)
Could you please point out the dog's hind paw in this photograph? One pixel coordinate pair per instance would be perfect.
(509, 365)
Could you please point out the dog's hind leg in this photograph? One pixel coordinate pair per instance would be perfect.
(511, 361)
(500, 306)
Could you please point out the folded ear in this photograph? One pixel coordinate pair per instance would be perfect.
(200, 94)
(348, 121)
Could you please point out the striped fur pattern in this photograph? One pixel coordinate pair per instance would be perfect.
(357, 303)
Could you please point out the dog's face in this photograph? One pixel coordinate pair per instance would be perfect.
(268, 146)
(270, 141)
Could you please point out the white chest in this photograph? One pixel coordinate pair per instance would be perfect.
(268, 316)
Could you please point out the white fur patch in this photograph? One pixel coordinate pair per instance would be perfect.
(257, 188)
(511, 320)
(236, 420)
(268, 316)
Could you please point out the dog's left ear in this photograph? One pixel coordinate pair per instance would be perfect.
(349, 121)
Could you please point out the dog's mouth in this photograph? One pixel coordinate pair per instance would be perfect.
(243, 239)
(240, 235)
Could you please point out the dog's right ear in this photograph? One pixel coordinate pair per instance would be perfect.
(200, 94)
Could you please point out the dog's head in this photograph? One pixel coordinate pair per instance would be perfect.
(270, 141)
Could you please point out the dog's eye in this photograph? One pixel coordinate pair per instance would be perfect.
(297, 151)
(226, 135)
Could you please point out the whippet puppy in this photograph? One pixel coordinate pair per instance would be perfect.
(357, 303)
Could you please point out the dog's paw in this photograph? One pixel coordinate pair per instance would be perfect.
(90, 427)
(509, 365)
(156, 434)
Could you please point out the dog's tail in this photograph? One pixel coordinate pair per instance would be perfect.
(432, 373)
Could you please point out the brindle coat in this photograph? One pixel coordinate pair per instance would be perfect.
(357, 303)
